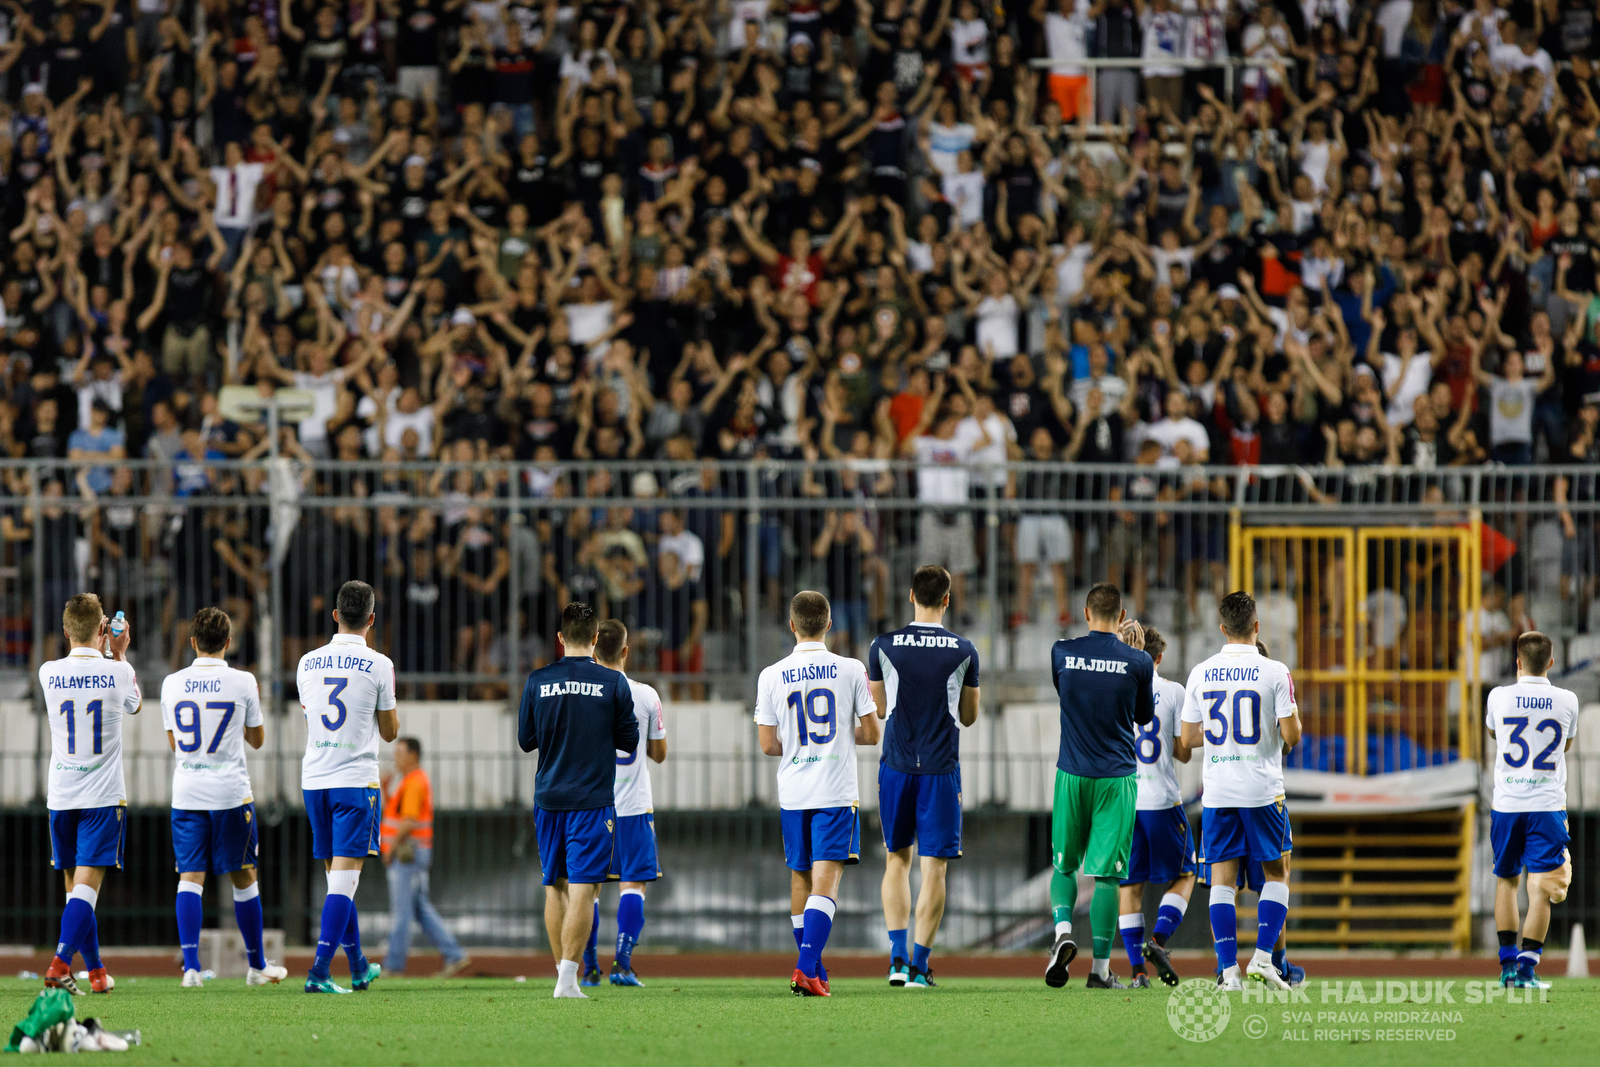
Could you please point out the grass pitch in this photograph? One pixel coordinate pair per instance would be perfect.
(755, 1022)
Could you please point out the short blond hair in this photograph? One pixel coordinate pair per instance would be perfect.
(82, 617)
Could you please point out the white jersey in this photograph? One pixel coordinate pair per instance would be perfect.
(1238, 696)
(815, 698)
(1532, 722)
(86, 696)
(1152, 747)
(206, 707)
(633, 768)
(343, 686)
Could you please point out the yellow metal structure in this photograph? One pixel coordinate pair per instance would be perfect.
(1380, 625)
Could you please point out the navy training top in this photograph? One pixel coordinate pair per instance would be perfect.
(1105, 687)
(579, 715)
(923, 668)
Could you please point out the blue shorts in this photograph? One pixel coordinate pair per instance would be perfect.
(1260, 834)
(88, 837)
(1162, 849)
(344, 822)
(815, 834)
(576, 846)
(637, 859)
(1535, 841)
(218, 842)
(920, 808)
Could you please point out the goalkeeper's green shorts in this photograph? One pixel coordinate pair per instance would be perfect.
(1091, 825)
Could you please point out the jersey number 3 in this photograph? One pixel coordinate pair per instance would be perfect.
(337, 684)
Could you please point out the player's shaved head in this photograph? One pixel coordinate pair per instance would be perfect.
(1104, 603)
(809, 613)
(354, 604)
(1238, 612)
(610, 639)
(578, 625)
(1533, 652)
(82, 617)
(930, 585)
(1154, 642)
(211, 629)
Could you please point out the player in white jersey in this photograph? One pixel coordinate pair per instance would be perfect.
(1533, 723)
(210, 712)
(85, 696)
(813, 708)
(636, 861)
(1163, 850)
(347, 693)
(1241, 707)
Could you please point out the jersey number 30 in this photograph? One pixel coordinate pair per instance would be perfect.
(1243, 733)
(809, 702)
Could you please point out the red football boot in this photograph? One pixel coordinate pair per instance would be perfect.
(100, 981)
(59, 976)
(801, 986)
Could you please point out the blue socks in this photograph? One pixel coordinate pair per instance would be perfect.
(351, 943)
(247, 913)
(1271, 912)
(630, 924)
(799, 922)
(1224, 925)
(591, 959)
(336, 911)
(89, 946)
(1528, 958)
(191, 914)
(77, 924)
(339, 924)
(919, 957)
(897, 945)
(1508, 947)
(1173, 907)
(1132, 927)
(1279, 958)
(814, 934)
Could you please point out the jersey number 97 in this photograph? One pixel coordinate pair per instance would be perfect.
(809, 702)
(192, 727)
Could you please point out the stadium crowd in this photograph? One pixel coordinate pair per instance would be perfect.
(735, 229)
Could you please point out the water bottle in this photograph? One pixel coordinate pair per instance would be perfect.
(118, 624)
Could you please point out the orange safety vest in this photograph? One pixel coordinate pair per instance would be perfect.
(411, 799)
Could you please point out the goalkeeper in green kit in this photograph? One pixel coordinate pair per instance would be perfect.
(1105, 681)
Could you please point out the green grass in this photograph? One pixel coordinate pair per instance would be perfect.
(750, 1022)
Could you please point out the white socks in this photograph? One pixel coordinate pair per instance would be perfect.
(567, 981)
(1175, 900)
(196, 888)
(825, 905)
(1224, 894)
(89, 896)
(250, 892)
(1101, 968)
(1063, 928)
(343, 883)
